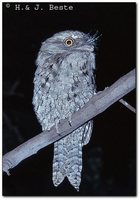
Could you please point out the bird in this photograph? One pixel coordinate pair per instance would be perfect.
(64, 82)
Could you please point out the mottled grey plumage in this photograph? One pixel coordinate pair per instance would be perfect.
(64, 81)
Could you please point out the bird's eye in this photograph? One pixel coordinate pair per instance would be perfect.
(69, 42)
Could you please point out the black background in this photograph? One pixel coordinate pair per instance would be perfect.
(109, 160)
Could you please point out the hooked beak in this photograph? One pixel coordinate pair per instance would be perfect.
(86, 48)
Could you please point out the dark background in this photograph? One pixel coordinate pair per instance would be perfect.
(109, 160)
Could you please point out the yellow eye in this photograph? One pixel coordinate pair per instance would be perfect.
(69, 42)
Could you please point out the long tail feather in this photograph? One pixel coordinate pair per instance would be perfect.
(67, 160)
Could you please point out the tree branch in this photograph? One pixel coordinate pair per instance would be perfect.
(96, 105)
(127, 105)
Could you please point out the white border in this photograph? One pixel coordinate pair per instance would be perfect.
(70, 1)
(138, 95)
(1, 98)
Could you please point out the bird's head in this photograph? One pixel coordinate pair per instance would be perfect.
(68, 42)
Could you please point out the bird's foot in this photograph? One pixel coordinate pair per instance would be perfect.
(70, 120)
(56, 126)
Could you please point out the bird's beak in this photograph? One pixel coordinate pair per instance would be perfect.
(86, 48)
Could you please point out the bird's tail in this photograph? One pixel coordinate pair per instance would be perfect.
(67, 160)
